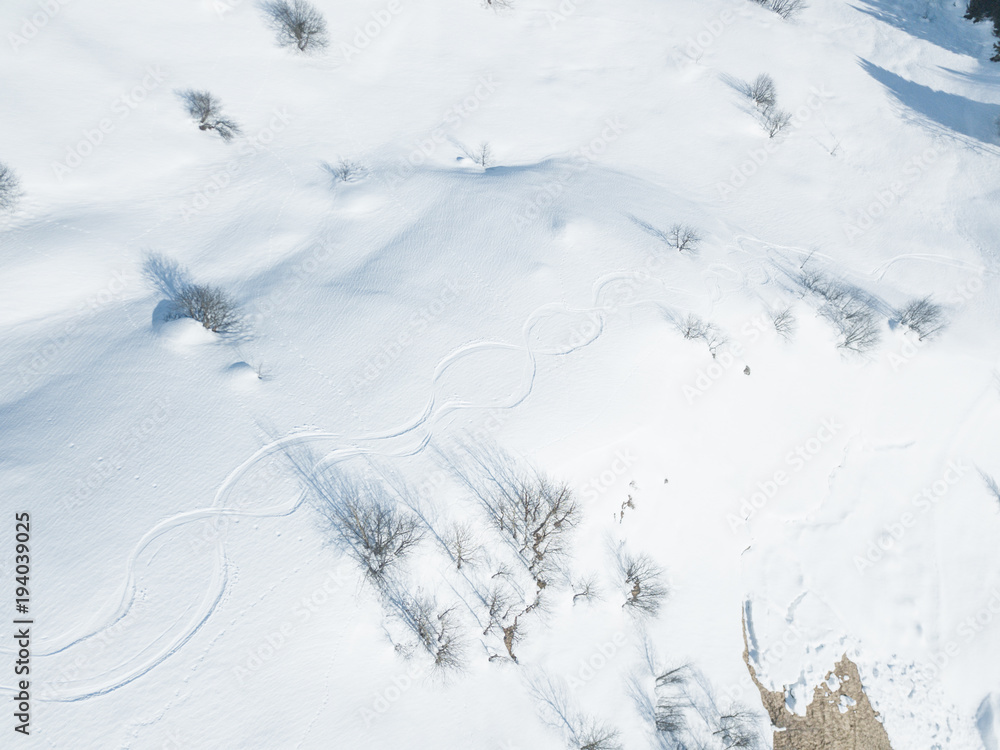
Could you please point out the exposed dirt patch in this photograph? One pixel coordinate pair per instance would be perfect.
(838, 718)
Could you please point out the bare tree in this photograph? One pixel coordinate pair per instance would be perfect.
(463, 546)
(923, 317)
(366, 520)
(206, 109)
(643, 578)
(483, 155)
(775, 120)
(498, 5)
(345, 170)
(436, 630)
(737, 729)
(211, 306)
(532, 512)
(10, 188)
(586, 588)
(595, 735)
(684, 238)
(762, 91)
(297, 23)
(784, 322)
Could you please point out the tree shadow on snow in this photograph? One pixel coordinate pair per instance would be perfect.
(922, 21)
(957, 113)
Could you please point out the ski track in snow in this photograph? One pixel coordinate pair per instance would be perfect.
(122, 603)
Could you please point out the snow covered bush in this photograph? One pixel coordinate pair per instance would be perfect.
(206, 109)
(923, 317)
(784, 8)
(211, 306)
(761, 91)
(297, 23)
(345, 170)
(10, 188)
(784, 322)
(684, 238)
(693, 328)
(775, 120)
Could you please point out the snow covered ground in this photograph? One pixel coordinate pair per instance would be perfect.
(184, 590)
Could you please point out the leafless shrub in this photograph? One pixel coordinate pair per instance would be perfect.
(923, 317)
(784, 322)
(483, 155)
(211, 306)
(694, 328)
(775, 120)
(644, 587)
(532, 512)
(366, 520)
(206, 109)
(10, 188)
(762, 91)
(297, 23)
(345, 170)
(437, 630)
(684, 238)
(847, 309)
(784, 8)
(499, 5)
(586, 589)
(858, 325)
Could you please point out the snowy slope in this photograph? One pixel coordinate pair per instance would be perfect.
(185, 593)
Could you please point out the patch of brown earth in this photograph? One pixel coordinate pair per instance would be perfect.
(840, 719)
